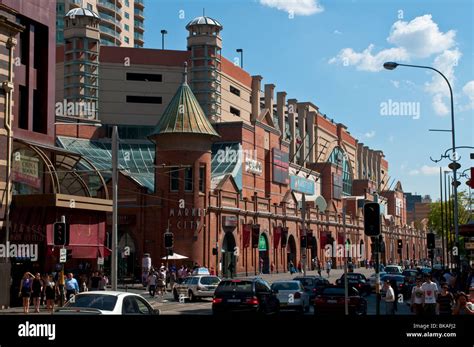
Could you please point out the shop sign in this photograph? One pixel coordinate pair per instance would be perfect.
(26, 170)
(302, 185)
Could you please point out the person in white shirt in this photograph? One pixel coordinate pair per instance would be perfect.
(417, 298)
(389, 299)
(430, 291)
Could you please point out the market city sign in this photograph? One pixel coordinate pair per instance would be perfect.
(302, 185)
(187, 218)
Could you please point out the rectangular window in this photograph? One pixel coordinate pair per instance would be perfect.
(127, 15)
(127, 27)
(137, 99)
(125, 38)
(202, 176)
(144, 77)
(127, 3)
(234, 111)
(23, 108)
(174, 179)
(234, 90)
(188, 179)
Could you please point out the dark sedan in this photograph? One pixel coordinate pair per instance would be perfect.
(358, 281)
(331, 301)
(312, 284)
(244, 296)
(401, 286)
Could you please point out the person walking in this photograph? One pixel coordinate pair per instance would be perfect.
(390, 299)
(444, 301)
(25, 290)
(417, 298)
(461, 307)
(51, 291)
(72, 287)
(36, 289)
(430, 293)
(319, 268)
(328, 267)
(94, 281)
(151, 282)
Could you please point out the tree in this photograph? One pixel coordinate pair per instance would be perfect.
(434, 217)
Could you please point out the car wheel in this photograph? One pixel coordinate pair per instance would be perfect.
(191, 296)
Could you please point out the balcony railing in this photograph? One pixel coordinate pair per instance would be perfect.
(138, 36)
(111, 19)
(110, 6)
(138, 12)
(138, 24)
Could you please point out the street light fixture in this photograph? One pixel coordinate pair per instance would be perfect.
(393, 65)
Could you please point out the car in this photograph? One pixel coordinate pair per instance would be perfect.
(107, 302)
(393, 269)
(201, 271)
(244, 296)
(358, 281)
(331, 300)
(312, 284)
(424, 271)
(194, 287)
(372, 279)
(292, 295)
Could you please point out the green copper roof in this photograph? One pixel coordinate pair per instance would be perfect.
(184, 115)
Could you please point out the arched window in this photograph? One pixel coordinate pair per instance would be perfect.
(339, 158)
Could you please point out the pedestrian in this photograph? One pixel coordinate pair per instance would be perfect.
(430, 292)
(230, 269)
(328, 267)
(417, 298)
(445, 301)
(36, 289)
(319, 268)
(300, 267)
(94, 281)
(51, 291)
(151, 281)
(461, 307)
(72, 287)
(291, 267)
(25, 290)
(161, 281)
(104, 281)
(261, 266)
(389, 299)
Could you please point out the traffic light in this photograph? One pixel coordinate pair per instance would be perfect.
(372, 219)
(430, 239)
(304, 241)
(169, 240)
(60, 234)
(400, 244)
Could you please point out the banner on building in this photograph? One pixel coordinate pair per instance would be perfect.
(284, 237)
(246, 232)
(280, 167)
(276, 236)
(255, 235)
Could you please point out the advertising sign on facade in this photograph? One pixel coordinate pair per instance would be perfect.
(302, 185)
(280, 167)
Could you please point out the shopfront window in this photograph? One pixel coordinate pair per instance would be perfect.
(188, 179)
(339, 158)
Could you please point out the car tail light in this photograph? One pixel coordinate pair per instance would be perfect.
(297, 295)
(252, 301)
(359, 285)
(217, 300)
(318, 300)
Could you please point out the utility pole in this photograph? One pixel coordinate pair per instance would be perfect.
(113, 270)
(346, 282)
(305, 234)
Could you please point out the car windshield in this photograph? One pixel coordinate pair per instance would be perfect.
(210, 280)
(307, 282)
(285, 286)
(102, 302)
(237, 286)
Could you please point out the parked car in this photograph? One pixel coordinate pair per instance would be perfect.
(195, 287)
(244, 296)
(292, 295)
(312, 284)
(372, 279)
(331, 300)
(358, 281)
(107, 302)
(393, 269)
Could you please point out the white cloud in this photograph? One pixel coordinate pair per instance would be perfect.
(396, 84)
(421, 37)
(468, 90)
(439, 106)
(370, 134)
(337, 32)
(426, 170)
(295, 7)
(366, 60)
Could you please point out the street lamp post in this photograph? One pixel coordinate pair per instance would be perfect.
(163, 33)
(455, 166)
(241, 51)
(113, 270)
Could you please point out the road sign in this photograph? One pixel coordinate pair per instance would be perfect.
(62, 255)
(100, 261)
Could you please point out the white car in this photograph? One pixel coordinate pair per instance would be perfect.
(107, 302)
(393, 269)
(292, 295)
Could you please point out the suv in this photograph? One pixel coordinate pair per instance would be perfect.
(194, 287)
(244, 296)
(358, 281)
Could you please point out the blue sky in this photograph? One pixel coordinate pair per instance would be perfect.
(330, 52)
